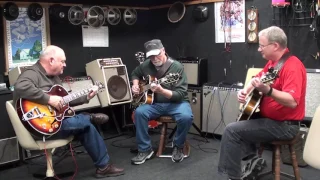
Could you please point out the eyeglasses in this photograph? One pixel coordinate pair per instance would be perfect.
(263, 46)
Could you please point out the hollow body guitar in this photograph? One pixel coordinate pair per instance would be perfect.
(146, 96)
(254, 96)
(45, 120)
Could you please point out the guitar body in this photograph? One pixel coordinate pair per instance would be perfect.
(144, 97)
(43, 119)
(254, 97)
(251, 105)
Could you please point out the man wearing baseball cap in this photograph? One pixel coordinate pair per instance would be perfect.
(169, 99)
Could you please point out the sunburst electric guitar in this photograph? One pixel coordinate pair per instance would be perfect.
(254, 97)
(146, 95)
(45, 120)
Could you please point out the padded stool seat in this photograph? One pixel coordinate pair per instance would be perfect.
(164, 120)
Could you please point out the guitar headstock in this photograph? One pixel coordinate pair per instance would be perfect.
(140, 57)
(100, 85)
(270, 76)
(172, 78)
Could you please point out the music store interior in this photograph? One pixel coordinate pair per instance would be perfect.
(213, 49)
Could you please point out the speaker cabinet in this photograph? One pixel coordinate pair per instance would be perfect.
(312, 93)
(196, 70)
(14, 74)
(220, 107)
(9, 149)
(115, 78)
(195, 98)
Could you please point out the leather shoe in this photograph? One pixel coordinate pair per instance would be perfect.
(109, 171)
(99, 118)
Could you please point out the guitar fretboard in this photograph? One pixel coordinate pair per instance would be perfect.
(148, 86)
(70, 97)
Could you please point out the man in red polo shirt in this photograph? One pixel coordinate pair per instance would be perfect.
(282, 107)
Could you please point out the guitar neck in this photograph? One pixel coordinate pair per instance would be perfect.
(148, 86)
(73, 96)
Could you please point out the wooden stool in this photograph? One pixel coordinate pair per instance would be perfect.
(164, 120)
(277, 158)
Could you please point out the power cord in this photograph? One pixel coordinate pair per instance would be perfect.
(221, 106)
(203, 142)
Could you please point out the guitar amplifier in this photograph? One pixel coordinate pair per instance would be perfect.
(196, 70)
(79, 83)
(195, 98)
(312, 95)
(220, 107)
(9, 149)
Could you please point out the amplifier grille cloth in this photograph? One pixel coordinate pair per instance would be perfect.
(312, 93)
(9, 150)
(220, 107)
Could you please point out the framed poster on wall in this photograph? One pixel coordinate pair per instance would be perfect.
(230, 21)
(25, 39)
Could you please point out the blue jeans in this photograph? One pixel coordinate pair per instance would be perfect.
(180, 112)
(81, 128)
(240, 138)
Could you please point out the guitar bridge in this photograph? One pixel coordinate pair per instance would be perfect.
(32, 114)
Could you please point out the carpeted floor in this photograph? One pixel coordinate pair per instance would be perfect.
(202, 163)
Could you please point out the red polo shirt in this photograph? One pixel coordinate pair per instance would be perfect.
(292, 79)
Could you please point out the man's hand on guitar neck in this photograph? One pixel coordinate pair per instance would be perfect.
(260, 86)
(157, 88)
(56, 102)
(93, 92)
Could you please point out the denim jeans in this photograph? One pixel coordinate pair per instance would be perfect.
(240, 138)
(180, 112)
(81, 128)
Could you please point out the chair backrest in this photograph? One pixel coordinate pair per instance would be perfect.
(251, 72)
(24, 137)
(312, 146)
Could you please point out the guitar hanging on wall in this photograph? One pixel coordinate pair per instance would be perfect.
(45, 120)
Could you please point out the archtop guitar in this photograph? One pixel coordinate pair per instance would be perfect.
(45, 120)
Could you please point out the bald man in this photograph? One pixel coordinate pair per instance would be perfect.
(40, 77)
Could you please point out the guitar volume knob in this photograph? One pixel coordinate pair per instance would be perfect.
(56, 125)
(50, 130)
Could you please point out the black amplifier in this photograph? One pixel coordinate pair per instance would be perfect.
(196, 70)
